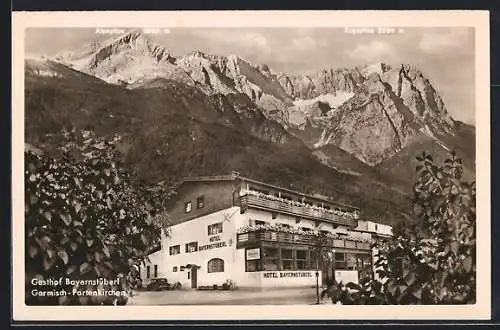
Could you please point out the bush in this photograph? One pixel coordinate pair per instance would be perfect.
(84, 220)
(434, 265)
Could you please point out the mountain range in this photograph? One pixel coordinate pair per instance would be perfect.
(348, 133)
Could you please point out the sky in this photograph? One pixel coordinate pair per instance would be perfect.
(444, 55)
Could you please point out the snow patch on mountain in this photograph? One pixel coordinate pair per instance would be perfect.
(333, 100)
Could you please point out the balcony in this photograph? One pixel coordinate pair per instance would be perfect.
(250, 238)
(262, 202)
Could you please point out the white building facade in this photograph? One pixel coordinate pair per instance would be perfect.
(256, 235)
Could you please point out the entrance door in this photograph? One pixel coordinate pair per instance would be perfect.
(194, 277)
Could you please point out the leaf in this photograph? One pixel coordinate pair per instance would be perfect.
(47, 215)
(66, 218)
(105, 250)
(144, 239)
(33, 251)
(71, 269)
(47, 262)
(90, 242)
(64, 256)
(467, 263)
(44, 242)
(97, 256)
(78, 207)
(85, 268)
(410, 279)
(454, 247)
(418, 293)
(73, 246)
(50, 253)
(442, 277)
(97, 270)
(353, 286)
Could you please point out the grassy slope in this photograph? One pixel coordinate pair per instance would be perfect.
(402, 165)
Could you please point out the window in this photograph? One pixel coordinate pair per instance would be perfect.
(260, 223)
(287, 197)
(284, 225)
(339, 256)
(192, 247)
(253, 265)
(297, 219)
(215, 228)
(189, 275)
(215, 265)
(173, 250)
(287, 259)
(148, 272)
(174, 269)
(305, 229)
(340, 260)
(351, 261)
(155, 271)
(301, 257)
(274, 215)
(187, 207)
(200, 202)
(271, 258)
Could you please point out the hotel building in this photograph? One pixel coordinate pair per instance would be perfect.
(260, 235)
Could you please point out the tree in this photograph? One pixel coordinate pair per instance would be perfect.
(84, 219)
(435, 265)
(319, 251)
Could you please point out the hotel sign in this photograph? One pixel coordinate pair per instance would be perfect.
(291, 274)
(215, 242)
(253, 254)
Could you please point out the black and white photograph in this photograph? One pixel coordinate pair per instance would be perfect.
(297, 166)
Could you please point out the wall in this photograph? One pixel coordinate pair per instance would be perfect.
(152, 260)
(218, 195)
(197, 230)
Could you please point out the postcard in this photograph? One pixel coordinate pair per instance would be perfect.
(251, 165)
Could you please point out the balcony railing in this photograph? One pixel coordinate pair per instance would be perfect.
(285, 207)
(249, 238)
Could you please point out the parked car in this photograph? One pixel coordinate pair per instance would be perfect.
(158, 284)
